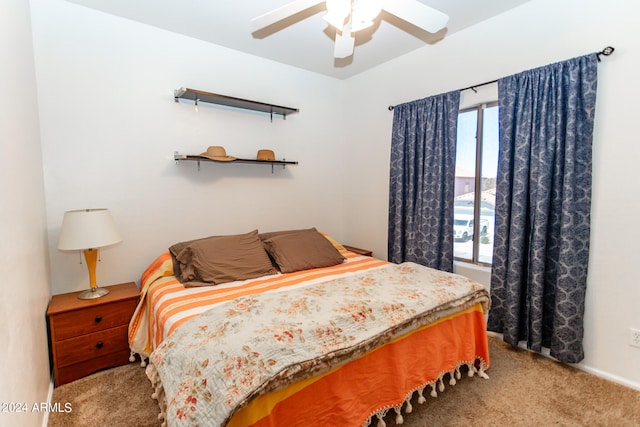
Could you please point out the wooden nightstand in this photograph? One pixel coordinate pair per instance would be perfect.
(365, 252)
(86, 336)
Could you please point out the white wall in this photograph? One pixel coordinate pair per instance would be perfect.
(24, 291)
(110, 127)
(535, 34)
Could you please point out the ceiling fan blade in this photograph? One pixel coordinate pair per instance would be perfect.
(418, 14)
(344, 44)
(283, 12)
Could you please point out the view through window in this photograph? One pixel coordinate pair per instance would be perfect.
(475, 186)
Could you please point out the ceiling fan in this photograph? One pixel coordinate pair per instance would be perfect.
(350, 16)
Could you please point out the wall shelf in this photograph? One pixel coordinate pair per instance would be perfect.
(230, 101)
(190, 157)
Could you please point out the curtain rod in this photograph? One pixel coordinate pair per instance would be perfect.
(606, 52)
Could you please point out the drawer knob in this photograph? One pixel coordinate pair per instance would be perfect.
(98, 319)
(99, 344)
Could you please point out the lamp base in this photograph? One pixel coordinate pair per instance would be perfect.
(93, 293)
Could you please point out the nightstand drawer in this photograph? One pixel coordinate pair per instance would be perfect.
(93, 319)
(91, 346)
(73, 372)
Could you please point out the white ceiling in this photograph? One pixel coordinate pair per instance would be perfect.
(305, 40)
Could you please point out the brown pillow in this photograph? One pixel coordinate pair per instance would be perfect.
(270, 234)
(221, 259)
(183, 270)
(302, 250)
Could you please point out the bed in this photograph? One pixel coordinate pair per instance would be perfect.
(318, 336)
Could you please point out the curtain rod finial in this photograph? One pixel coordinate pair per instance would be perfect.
(606, 52)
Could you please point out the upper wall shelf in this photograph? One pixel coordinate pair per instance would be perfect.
(230, 101)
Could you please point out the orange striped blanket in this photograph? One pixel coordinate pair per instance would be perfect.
(441, 322)
(165, 304)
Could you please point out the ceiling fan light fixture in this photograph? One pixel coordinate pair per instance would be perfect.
(360, 24)
(363, 13)
(351, 16)
(337, 12)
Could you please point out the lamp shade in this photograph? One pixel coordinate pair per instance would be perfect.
(87, 229)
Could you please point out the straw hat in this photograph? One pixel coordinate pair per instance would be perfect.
(216, 152)
(265, 155)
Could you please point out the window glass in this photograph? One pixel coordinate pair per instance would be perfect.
(465, 185)
(476, 171)
(488, 183)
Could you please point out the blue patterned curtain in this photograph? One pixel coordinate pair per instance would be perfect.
(543, 200)
(421, 193)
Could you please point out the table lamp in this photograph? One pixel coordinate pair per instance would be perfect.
(88, 230)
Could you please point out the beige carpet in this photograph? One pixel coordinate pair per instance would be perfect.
(525, 389)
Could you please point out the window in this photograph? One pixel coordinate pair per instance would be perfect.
(475, 186)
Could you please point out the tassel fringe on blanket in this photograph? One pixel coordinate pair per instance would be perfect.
(436, 386)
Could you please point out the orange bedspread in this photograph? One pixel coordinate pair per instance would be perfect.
(371, 385)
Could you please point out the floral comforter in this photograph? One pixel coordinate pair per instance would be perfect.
(215, 363)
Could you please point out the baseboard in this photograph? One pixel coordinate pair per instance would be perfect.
(614, 378)
(597, 372)
(45, 419)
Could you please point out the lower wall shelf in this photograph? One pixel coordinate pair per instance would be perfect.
(190, 157)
